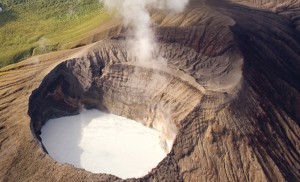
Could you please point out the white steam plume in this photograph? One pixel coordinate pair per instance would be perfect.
(136, 13)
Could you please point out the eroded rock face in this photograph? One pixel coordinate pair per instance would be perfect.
(230, 88)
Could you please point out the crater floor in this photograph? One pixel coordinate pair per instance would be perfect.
(103, 143)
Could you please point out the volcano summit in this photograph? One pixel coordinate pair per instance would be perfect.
(227, 94)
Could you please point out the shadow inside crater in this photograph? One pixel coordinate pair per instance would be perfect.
(61, 138)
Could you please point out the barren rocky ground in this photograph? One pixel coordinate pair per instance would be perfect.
(231, 88)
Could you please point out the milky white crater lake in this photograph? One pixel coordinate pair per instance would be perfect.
(103, 143)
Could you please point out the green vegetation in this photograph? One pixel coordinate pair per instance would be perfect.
(30, 27)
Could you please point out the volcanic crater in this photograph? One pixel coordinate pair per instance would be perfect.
(128, 89)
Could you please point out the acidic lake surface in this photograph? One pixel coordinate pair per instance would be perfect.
(103, 143)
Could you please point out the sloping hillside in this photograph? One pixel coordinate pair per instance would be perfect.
(30, 28)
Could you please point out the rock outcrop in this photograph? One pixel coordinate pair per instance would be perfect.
(230, 91)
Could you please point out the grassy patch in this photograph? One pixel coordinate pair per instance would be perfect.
(30, 27)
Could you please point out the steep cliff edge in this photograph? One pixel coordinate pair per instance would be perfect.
(230, 88)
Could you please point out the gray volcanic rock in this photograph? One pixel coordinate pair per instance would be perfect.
(231, 89)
